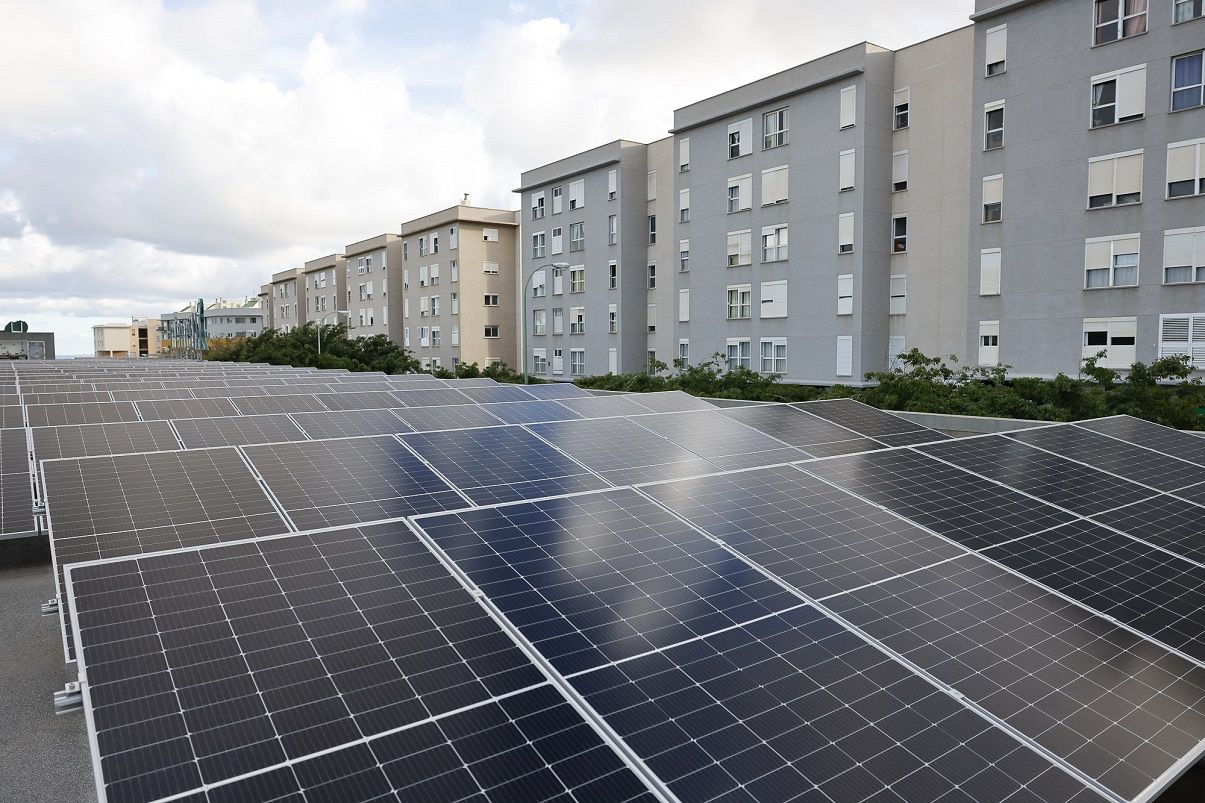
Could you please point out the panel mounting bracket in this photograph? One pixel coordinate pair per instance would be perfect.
(50, 606)
(70, 699)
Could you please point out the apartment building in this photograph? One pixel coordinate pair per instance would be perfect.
(325, 281)
(266, 304)
(111, 340)
(459, 291)
(288, 300)
(367, 269)
(1087, 227)
(586, 233)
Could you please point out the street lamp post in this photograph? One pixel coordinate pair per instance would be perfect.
(323, 318)
(557, 267)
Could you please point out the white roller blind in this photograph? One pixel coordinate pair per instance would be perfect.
(684, 199)
(744, 131)
(1100, 178)
(774, 185)
(1129, 174)
(612, 183)
(1126, 245)
(847, 170)
(683, 306)
(577, 194)
(901, 96)
(849, 105)
(1181, 163)
(774, 299)
(899, 168)
(845, 355)
(1180, 247)
(683, 152)
(845, 294)
(652, 188)
(845, 229)
(1131, 93)
(1098, 254)
(993, 190)
(997, 44)
(989, 272)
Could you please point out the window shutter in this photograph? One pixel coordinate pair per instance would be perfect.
(1100, 178)
(845, 294)
(1178, 249)
(898, 291)
(1131, 93)
(846, 170)
(683, 152)
(652, 188)
(683, 199)
(612, 182)
(901, 96)
(1181, 163)
(613, 360)
(899, 168)
(993, 190)
(1129, 174)
(845, 230)
(558, 283)
(997, 44)
(774, 299)
(683, 306)
(989, 272)
(1098, 254)
(849, 105)
(845, 355)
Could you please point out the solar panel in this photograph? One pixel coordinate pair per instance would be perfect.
(963, 507)
(165, 409)
(601, 406)
(350, 423)
(14, 451)
(621, 451)
(238, 430)
(297, 403)
(246, 656)
(426, 419)
(913, 438)
(476, 382)
(49, 415)
(1108, 454)
(360, 400)
(596, 578)
(16, 504)
(817, 538)
(493, 393)
(556, 390)
(143, 394)
(530, 412)
(1164, 521)
(862, 418)
(794, 707)
(726, 443)
(797, 428)
(431, 398)
(502, 464)
(1119, 709)
(670, 401)
(63, 398)
(102, 439)
(1049, 477)
(336, 482)
(1171, 442)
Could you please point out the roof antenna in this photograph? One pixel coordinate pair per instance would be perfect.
(465, 200)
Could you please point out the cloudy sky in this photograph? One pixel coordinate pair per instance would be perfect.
(157, 151)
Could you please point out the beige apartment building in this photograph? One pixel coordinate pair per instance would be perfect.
(459, 287)
(367, 267)
(325, 287)
(287, 301)
(138, 338)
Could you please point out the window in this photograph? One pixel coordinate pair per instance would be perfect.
(612, 230)
(489, 235)
(683, 256)
(775, 128)
(406, 337)
(845, 233)
(651, 318)
(849, 106)
(434, 278)
(613, 318)
(612, 184)
(995, 50)
(577, 237)
(684, 351)
(1115, 180)
(895, 347)
(577, 320)
(1111, 261)
(652, 229)
(537, 205)
(558, 361)
(740, 138)
(774, 186)
(362, 291)
(435, 337)
(740, 248)
(683, 306)
(1119, 19)
(455, 337)
(577, 279)
(845, 294)
(539, 288)
(774, 355)
(897, 295)
(434, 248)
(1183, 334)
(557, 241)
(538, 245)
(899, 171)
(405, 249)
(1184, 256)
(577, 194)
(740, 300)
(613, 360)
(899, 234)
(453, 270)
(539, 321)
(1187, 10)
(1115, 336)
(683, 205)
(489, 267)
(558, 282)
(989, 342)
(1119, 96)
(993, 198)
(774, 243)
(651, 278)
(740, 193)
(900, 103)
(491, 299)
(684, 154)
(989, 272)
(1188, 88)
(577, 362)
(845, 355)
(1186, 168)
(557, 200)
(846, 171)
(423, 276)
(738, 353)
(434, 305)
(774, 299)
(651, 190)
(558, 320)
(491, 331)
(993, 125)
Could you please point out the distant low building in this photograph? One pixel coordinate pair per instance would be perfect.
(26, 345)
(138, 338)
(224, 319)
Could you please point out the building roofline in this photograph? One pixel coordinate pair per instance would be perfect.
(1002, 8)
(328, 261)
(368, 244)
(841, 76)
(469, 214)
(619, 143)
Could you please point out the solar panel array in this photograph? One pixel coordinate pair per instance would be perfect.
(469, 593)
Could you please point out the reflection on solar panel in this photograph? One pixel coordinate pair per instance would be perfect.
(49, 415)
(315, 640)
(817, 538)
(200, 433)
(251, 405)
(477, 382)
(1144, 433)
(862, 418)
(334, 482)
(350, 423)
(529, 412)
(963, 507)
(430, 398)
(1048, 477)
(1085, 690)
(102, 439)
(721, 440)
(494, 393)
(794, 704)
(425, 419)
(362, 400)
(913, 438)
(1164, 521)
(502, 464)
(1151, 591)
(600, 406)
(622, 451)
(671, 401)
(556, 390)
(797, 428)
(1109, 454)
(186, 408)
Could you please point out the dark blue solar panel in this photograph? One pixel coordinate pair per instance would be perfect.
(527, 412)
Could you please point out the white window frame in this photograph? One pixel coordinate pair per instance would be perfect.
(743, 199)
(739, 353)
(1191, 242)
(775, 185)
(1193, 342)
(1197, 157)
(577, 194)
(775, 361)
(845, 233)
(684, 154)
(899, 171)
(558, 200)
(847, 167)
(537, 205)
(739, 248)
(775, 242)
(995, 50)
(845, 356)
(1118, 24)
(773, 297)
(901, 107)
(848, 117)
(988, 131)
(1110, 248)
(776, 128)
(1198, 87)
(740, 302)
(990, 266)
(897, 294)
(899, 234)
(684, 305)
(1118, 355)
(992, 196)
(1129, 95)
(845, 294)
(740, 138)
(989, 352)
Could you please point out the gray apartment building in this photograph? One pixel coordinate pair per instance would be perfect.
(325, 280)
(288, 300)
(368, 268)
(459, 287)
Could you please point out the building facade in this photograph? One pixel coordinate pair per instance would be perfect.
(288, 300)
(458, 287)
(325, 281)
(368, 268)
